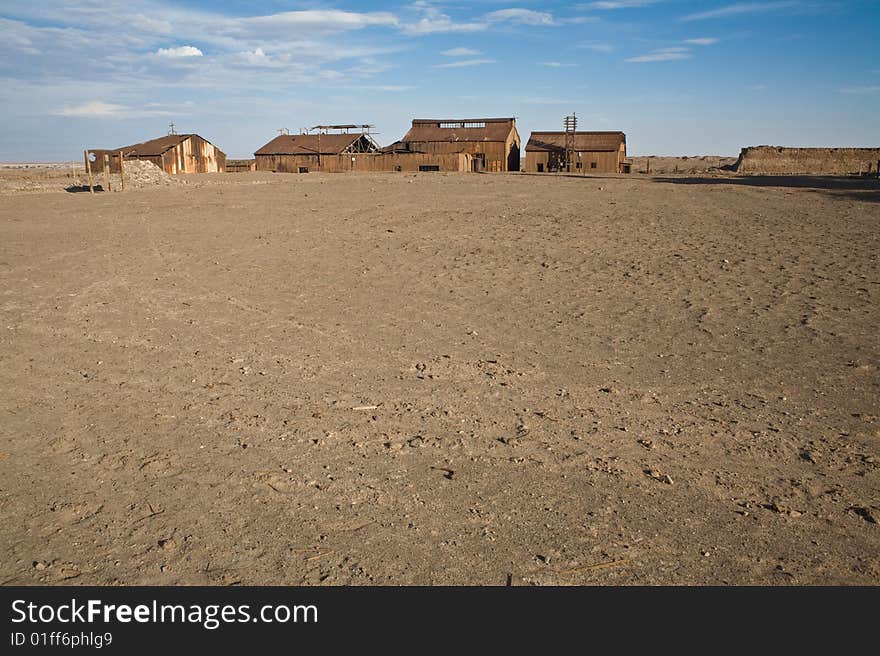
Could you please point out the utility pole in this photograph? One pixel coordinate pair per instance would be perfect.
(172, 128)
(570, 124)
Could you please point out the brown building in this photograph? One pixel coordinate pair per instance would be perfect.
(493, 143)
(173, 153)
(594, 152)
(240, 165)
(302, 153)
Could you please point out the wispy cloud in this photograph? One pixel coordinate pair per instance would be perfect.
(99, 109)
(460, 52)
(465, 63)
(740, 9)
(434, 21)
(703, 41)
(521, 17)
(662, 55)
(617, 4)
(556, 64)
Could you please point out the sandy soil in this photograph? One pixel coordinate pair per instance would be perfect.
(417, 379)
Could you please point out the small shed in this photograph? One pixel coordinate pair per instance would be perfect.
(302, 153)
(173, 153)
(593, 152)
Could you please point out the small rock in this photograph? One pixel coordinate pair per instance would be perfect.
(808, 456)
(870, 515)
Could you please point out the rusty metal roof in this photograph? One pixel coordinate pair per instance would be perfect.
(493, 129)
(308, 144)
(583, 141)
(155, 147)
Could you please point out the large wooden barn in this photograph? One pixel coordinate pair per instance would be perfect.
(594, 152)
(173, 153)
(302, 153)
(493, 143)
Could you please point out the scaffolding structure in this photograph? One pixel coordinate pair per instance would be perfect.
(570, 124)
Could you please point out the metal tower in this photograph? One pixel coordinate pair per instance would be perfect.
(570, 123)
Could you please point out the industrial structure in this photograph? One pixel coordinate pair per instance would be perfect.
(492, 143)
(329, 148)
(173, 153)
(577, 152)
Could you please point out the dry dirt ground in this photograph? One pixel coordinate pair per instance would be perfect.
(441, 379)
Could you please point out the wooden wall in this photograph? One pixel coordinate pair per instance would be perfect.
(193, 155)
(457, 162)
(606, 162)
(498, 156)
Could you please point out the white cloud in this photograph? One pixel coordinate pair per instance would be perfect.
(703, 41)
(179, 51)
(99, 109)
(94, 109)
(662, 55)
(556, 64)
(618, 4)
(433, 21)
(465, 63)
(323, 20)
(460, 52)
(740, 9)
(521, 17)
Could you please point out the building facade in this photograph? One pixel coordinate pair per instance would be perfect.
(593, 152)
(493, 143)
(304, 153)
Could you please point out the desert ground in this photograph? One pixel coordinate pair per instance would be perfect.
(440, 379)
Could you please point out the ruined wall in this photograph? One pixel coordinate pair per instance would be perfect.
(773, 160)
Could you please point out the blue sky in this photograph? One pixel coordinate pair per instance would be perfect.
(679, 77)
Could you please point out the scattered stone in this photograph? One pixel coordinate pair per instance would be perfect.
(808, 456)
(870, 515)
(168, 544)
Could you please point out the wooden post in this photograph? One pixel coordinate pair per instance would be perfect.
(107, 171)
(89, 172)
(122, 170)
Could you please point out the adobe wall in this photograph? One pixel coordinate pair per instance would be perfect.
(772, 160)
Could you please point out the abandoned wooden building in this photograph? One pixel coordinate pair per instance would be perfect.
(173, 153)
(302, 153)
(592, 152)
(492, 143)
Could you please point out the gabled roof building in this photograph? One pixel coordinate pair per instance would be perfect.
(592, 152)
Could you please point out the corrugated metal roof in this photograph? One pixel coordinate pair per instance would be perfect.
(584, 141)
(155, 147)
(496, 129)
(307, 144)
